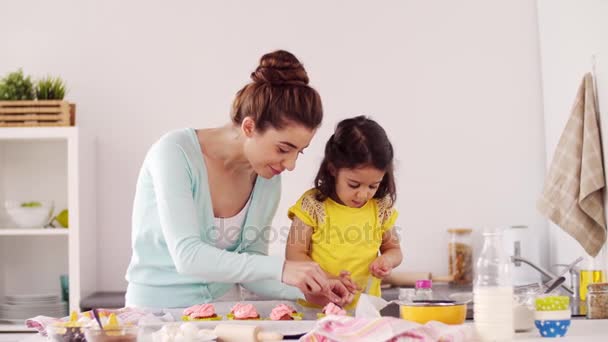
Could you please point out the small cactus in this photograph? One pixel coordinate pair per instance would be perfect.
(16, 87)
(50, 88)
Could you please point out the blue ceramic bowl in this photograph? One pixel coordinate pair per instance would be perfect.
(553, 328)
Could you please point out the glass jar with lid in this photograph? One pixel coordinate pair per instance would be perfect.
(597, 301)
(460, 255)
(424, 289)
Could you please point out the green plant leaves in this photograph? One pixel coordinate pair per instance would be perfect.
(15, 86)
(50, 88)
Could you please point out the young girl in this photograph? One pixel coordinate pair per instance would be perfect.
(345, 223)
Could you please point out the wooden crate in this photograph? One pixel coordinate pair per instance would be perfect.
(35, 113)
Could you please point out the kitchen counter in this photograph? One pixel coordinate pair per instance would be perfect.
(580, 330)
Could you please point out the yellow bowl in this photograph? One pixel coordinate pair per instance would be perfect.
(448, 313)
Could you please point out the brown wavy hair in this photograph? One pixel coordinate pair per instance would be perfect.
(357, 142)
(278, 94)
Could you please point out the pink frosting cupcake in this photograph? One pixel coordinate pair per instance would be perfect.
(333, 309)
(244, 311)
(282, 312)
(200, 312)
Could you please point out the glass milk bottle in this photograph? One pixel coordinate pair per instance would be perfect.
(493, 290)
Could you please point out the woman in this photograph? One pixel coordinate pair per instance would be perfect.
(205, 199)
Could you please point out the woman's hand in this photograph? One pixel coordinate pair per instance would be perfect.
(305, 275)
(381, 267)
(339, 295)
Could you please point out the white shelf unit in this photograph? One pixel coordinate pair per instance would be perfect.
(48, 163)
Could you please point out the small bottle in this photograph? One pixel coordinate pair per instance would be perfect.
(424, 289)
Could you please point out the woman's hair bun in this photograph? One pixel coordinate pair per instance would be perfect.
(280, 68)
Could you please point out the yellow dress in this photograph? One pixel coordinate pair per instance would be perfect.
(346, 238)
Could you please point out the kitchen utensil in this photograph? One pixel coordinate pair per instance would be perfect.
(448, 312)
(96, 315)
(557, 282)
(405, 278)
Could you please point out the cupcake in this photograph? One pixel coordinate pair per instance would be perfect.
(242, 311)
(284, 312)
(331, 309)
(201, 312)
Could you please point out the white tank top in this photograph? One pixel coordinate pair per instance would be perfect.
(228, 229)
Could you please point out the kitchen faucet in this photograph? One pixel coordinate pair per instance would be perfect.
(517, 260)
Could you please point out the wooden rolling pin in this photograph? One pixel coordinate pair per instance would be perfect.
(409, 278)
(243, 333)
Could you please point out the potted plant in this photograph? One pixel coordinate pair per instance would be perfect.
(27, 103)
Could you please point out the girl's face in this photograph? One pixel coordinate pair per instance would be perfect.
(274, 151)
(354, 187)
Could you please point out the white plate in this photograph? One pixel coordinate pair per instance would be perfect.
(33, 307)
(29, 298)
(285, 328)
(23, 314)
(13, 302)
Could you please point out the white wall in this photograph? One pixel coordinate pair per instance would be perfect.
(456, 85)
(570, 34)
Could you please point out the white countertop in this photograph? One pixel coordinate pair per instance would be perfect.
(580, 330)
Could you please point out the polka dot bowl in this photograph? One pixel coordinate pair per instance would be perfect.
(552, 303)
(552, 328)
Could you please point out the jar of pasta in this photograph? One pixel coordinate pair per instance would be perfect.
(460, 254)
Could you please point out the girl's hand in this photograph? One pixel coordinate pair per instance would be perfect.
(381, 267)
(350, 285)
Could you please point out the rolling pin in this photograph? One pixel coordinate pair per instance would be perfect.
(409, 278)
(406, 278)
(243, 333)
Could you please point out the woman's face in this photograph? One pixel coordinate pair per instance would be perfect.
(274, 151)
(354, 187)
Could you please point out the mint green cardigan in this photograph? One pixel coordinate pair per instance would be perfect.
(174, 262)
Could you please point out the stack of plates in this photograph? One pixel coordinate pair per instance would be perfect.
(18, 308)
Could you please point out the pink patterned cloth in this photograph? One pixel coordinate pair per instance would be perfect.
(124, 316)
(350, 329)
